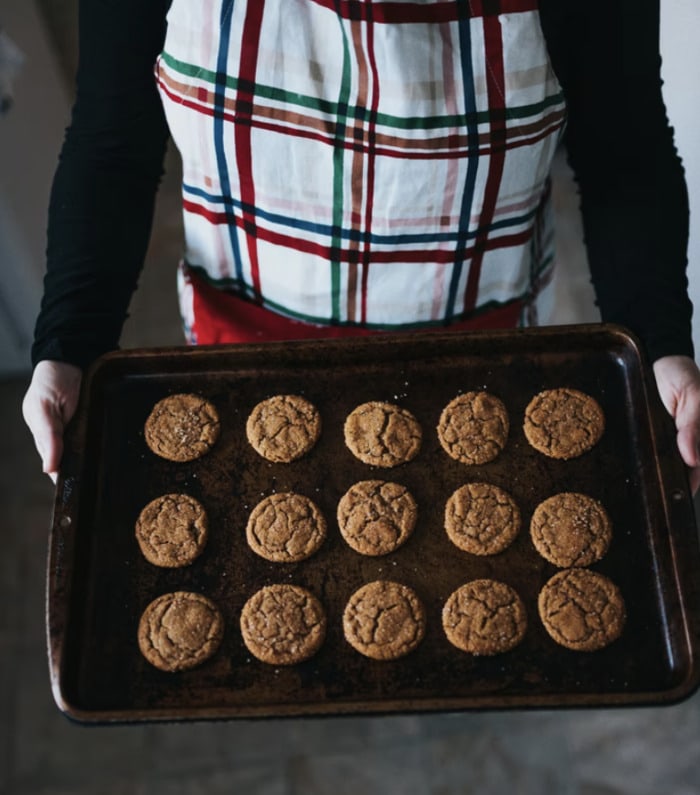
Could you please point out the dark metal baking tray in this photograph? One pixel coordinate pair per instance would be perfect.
(99, 584)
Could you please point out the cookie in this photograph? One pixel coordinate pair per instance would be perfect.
(283, 624)
(481, 518)
(172, 530)
(473, 428)
(571, 530)
(382, 434)
(180, 630)
(484, 617)
(283, 428)
(582, 609)
(285, 528)
(384, 620)
(376, 517)
(563, 423)
(182, 427)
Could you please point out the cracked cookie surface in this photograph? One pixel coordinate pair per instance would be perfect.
(283, 624)
(283, 428)
(376, 517)
(563, 423)
(570, 529)
(473, 428)
(482, 519)
(484, 617)
(582, 609)
(182, 427)
(285, 528)
(172, 530)
(180, 630)
(382, 434)
(384, 620)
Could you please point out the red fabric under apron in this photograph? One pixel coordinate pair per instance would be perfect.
(221, 317)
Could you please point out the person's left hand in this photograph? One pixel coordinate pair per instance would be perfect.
(678, 382)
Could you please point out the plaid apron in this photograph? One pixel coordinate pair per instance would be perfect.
(360, 165)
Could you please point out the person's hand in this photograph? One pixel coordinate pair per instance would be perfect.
(678, 382)
(48, 405)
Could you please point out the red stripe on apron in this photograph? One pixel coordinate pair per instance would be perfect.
(221, 317)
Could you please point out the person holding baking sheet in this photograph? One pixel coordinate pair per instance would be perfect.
(358, 166)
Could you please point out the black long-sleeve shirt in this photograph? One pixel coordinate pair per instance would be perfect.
(620, 145)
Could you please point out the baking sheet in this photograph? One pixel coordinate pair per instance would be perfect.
(99, 584)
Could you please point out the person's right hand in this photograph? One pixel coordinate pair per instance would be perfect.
(48, 405)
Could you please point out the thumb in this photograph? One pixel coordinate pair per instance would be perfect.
(48, 405)
(688, 425)
(46, 423)
(49, 440)
(678, 381)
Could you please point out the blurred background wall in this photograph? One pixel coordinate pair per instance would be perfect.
(680, 23)
(31, 134)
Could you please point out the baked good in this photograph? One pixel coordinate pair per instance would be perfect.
(484, 617)
(384, 620)
(582, 609)
(285, 528)
(172, 530)
(571, 529)
(376, 517)
(180, 630)
(563, 423)
(182, 427)
(473, 428)
(283, 428)
(382, 434)
(283, 624)
(481, 518)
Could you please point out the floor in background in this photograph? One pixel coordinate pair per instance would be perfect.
(639, 751)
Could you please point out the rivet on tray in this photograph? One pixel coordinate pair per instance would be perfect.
(65, 522)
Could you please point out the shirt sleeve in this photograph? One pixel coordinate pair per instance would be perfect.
(633, 195)
(103, 193)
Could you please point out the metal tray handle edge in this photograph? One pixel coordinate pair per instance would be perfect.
(61, 550)
(682, 528)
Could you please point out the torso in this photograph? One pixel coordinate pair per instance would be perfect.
(374, 164)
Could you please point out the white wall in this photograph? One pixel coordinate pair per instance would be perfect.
(570, 298)
(30, 137)
(680, 24)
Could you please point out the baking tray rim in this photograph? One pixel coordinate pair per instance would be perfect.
(685, 556)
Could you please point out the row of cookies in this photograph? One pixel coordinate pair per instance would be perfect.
(376, 517)
(473, 428)
(285, 624)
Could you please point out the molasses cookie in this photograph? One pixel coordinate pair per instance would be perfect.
(473, 428)
(182, 427)
(384, 620)
(563, 423)
(484, 617)
(571, 530)
(481, 519)
(376, 517)
(285, 528)
(283, 428)
(180, 630)
(382, 434)
(581, 609)
(172, 530)
(283, 624)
